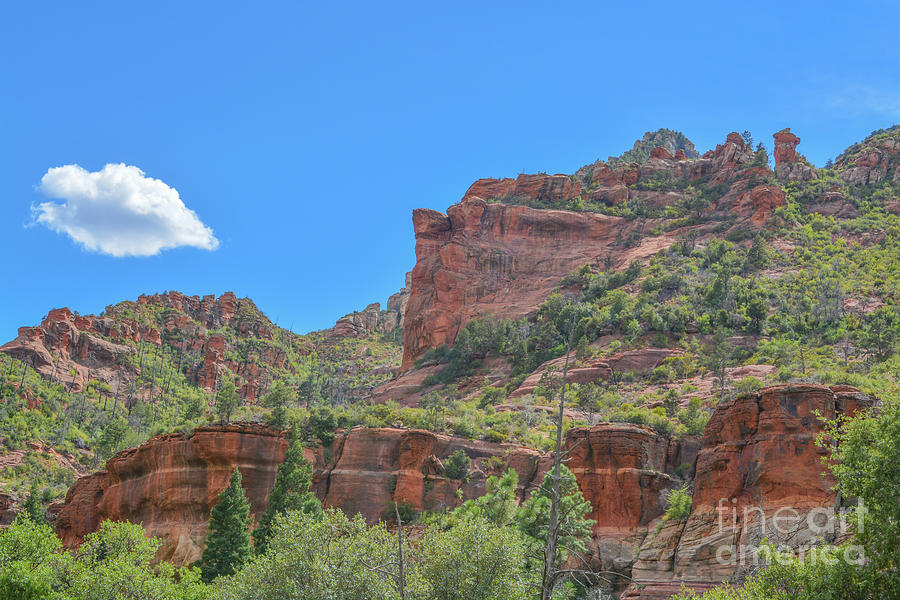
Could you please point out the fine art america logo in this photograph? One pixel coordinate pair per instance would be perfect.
(821, 524)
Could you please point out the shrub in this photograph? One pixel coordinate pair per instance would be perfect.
(457, 465)
(678, 503)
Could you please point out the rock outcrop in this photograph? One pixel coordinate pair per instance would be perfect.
(372, 319)
(498, 259)
(170, 483)
(73, 349)
(538, 188)
(873, 161)
(758, 457)
(487, 258)
(789, 164)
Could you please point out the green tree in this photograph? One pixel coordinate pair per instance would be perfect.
(473, 560)
(457, 465)
(33, 508)
(226, 401)
(317, 557)
(678, 503)
(228, 545)
(572, 529)
(112, 437)
(28, 553)
(277, 399)
(865, 454)
(498, 505)
(290, 492)
(117, 561)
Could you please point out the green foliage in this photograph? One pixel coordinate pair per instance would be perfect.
(694, 418)
(498, 505)
(114, 562)
(291, 491)
(865, 453)
(339, 558)
(678, 503)
(314, 557)
(822, 574)
(228, 545)
(227, 400)
(473, 560)
(33, 508)
(457, 465)
(574, 528)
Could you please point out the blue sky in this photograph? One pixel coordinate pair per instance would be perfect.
(303, 134)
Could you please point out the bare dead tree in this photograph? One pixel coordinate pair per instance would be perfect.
(395, 570)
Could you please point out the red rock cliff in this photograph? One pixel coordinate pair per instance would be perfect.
(759, 455)
(170, 483)
(494, 259)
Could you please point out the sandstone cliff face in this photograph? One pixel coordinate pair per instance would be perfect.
(371, 468)
(758, 450)
(494, 259)
(758, 456)
(170, 483)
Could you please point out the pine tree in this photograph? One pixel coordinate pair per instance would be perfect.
(290, 492)
(226, 401)
(32, 507)
(228, 544)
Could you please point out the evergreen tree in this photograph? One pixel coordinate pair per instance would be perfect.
(32, 507)
(290, 492)
(277, 399)
(573, 528)
(226, 401)
(228, 544)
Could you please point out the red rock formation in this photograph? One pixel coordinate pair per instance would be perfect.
(545, 188)
(759, 456)
(758, 450)
(875, 161)
(494, 259)
(789, 164)
(372, 468)
(170, 483)
(622, 470)
(663, 153)
(785, 147)
(759, 203)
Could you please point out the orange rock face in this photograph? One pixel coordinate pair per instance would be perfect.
(170, 483)
(372, 468)
(785, 147)
(622, 470)
(758, 460)
(758, 450)
(546, 188)
(493, 259)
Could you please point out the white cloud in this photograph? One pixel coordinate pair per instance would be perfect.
(119, 211)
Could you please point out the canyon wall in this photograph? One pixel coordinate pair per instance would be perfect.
(758, 450)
